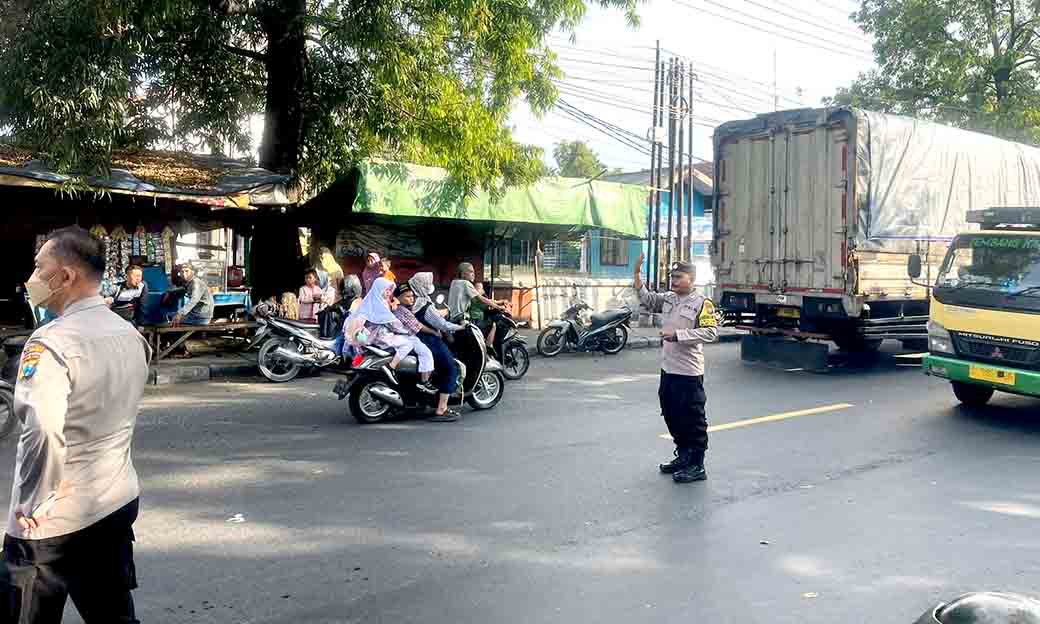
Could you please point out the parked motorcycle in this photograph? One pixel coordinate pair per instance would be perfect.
(606, 331)
(374, 393)
(516, 358)
(287, 347)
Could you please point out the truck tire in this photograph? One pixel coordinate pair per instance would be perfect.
(856, 344)
(972, 395)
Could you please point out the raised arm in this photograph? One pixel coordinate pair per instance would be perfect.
(651, 301)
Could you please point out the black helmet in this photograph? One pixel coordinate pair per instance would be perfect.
(985, 608)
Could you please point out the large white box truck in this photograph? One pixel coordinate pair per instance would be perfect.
(816, 212)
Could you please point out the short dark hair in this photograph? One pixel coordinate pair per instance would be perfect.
(134, 267)
(74, 245)
(310, 272)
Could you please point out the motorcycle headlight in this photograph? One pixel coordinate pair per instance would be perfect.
(939, 340)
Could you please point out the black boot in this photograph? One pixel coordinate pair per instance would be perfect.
(683, 458)
(693, 472)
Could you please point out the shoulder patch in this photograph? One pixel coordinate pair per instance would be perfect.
(30, 358)
(707, 316)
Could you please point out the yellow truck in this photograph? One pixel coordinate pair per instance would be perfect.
(984, 318)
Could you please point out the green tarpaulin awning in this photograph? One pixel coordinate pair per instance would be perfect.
(402, 190)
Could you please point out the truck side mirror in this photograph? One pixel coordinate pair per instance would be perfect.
(913, 266)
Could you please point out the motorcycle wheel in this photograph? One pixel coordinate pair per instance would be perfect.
(517, 361)
(273, 367)
(366, 408)
(551, 341)
(8, 421)
(488, 391)
(613, 345)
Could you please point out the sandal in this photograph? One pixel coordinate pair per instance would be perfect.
(450, 415)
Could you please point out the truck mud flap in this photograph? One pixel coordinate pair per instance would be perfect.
(784, 353)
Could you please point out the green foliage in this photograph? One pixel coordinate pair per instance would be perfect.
(428, 81)
(970, 63)
(574, 159)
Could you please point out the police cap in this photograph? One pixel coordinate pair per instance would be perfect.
(683, 267)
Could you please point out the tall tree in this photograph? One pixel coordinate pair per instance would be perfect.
(575, 159)
(972, 63)
(336, 80)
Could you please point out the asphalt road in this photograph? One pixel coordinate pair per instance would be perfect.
(865, 495)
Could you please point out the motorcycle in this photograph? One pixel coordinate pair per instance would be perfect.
(374, 392)
(606, 331)
(516, 358)
(287, 347)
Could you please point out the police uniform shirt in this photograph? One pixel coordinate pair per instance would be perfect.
(80, 381)
(692, 318)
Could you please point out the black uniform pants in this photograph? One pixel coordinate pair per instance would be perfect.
(94, 566)
(682, 404)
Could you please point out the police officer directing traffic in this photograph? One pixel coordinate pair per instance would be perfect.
(75, 493)
(688, 322)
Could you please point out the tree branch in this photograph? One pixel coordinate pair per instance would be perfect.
(250, 54)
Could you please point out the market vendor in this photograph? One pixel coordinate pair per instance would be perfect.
(198, 309)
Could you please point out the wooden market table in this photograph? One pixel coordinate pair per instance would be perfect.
(154, 334)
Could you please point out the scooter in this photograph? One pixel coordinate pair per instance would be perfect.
(374, 392)
(287, 347)
(516, 359)
(606, 331)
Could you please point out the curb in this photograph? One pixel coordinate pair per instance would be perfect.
(194, 373)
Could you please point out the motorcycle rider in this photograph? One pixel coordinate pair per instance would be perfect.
(689, 322)
(415, 295)
(461, 295)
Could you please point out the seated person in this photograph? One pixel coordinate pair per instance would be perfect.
(198, 309)
(127, 299)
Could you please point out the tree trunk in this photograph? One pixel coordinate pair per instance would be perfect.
(285, 26)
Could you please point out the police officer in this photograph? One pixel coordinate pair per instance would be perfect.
(689, 322)
(75, 493)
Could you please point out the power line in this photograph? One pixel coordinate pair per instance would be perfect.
(701, 67)
(839, 31)
(834, 47)
(811, 35)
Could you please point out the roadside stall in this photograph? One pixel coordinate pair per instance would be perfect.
(155, 209)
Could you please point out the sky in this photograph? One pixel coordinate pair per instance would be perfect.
(729, 43)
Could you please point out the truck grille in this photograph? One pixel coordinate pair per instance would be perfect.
(996, 351)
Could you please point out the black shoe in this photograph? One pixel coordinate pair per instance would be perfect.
(683, 458)
(426, 387)
(693, 472)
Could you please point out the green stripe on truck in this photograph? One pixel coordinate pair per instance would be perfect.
(1026, 382)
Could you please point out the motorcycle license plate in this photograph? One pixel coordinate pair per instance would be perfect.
(992, 375)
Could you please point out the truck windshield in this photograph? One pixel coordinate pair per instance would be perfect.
(1009, 265)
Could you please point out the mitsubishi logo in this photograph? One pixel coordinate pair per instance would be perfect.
(997, 354)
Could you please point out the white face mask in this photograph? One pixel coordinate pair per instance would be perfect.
(39, 290)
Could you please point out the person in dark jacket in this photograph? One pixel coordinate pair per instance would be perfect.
(127, 300)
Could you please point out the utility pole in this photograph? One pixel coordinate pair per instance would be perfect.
(653, 201)
(776, 95)
(681, 117)
(656, 251)
(673, 102)
(689, 186)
